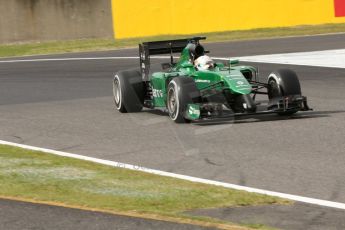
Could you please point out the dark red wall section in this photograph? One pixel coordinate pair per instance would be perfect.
(339, 6)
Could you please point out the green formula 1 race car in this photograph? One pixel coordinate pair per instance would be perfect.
(195, 88)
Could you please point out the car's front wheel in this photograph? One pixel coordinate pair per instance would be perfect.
(181, 92)
(281, 83)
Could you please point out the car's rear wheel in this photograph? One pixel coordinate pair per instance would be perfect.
(128, 91)
(181, 92)
(281, 83)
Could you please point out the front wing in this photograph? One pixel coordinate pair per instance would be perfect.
(216, 111)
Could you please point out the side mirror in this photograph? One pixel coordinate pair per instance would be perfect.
(233, 62)
(219, 64)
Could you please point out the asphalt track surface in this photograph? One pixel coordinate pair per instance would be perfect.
(67, 105)
(16, 215)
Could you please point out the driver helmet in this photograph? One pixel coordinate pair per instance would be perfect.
(204, 63)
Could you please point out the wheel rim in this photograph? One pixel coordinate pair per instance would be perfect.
(172, 103)
(117, 92)
(274, 90)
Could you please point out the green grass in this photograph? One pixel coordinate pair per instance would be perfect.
(9, 50)
(259, 226)
(49, 178)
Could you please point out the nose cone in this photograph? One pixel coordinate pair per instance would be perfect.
(237, 82)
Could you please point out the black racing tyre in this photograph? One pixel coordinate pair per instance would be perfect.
(181, 92)
(128, 91)
(283, 82)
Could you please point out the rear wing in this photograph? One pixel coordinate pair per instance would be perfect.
(146, 49)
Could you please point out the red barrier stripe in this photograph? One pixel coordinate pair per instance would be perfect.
(339, 8)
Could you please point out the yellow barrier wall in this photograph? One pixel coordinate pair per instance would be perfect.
(139, 18)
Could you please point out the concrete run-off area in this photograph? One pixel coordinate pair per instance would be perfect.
(37, 20)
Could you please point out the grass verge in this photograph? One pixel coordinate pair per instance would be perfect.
(41, 177)
(11, 50)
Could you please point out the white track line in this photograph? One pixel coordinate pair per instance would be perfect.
(94, 58)
(90, 59)
(325, 58)
(308, 200)
(76, 59)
